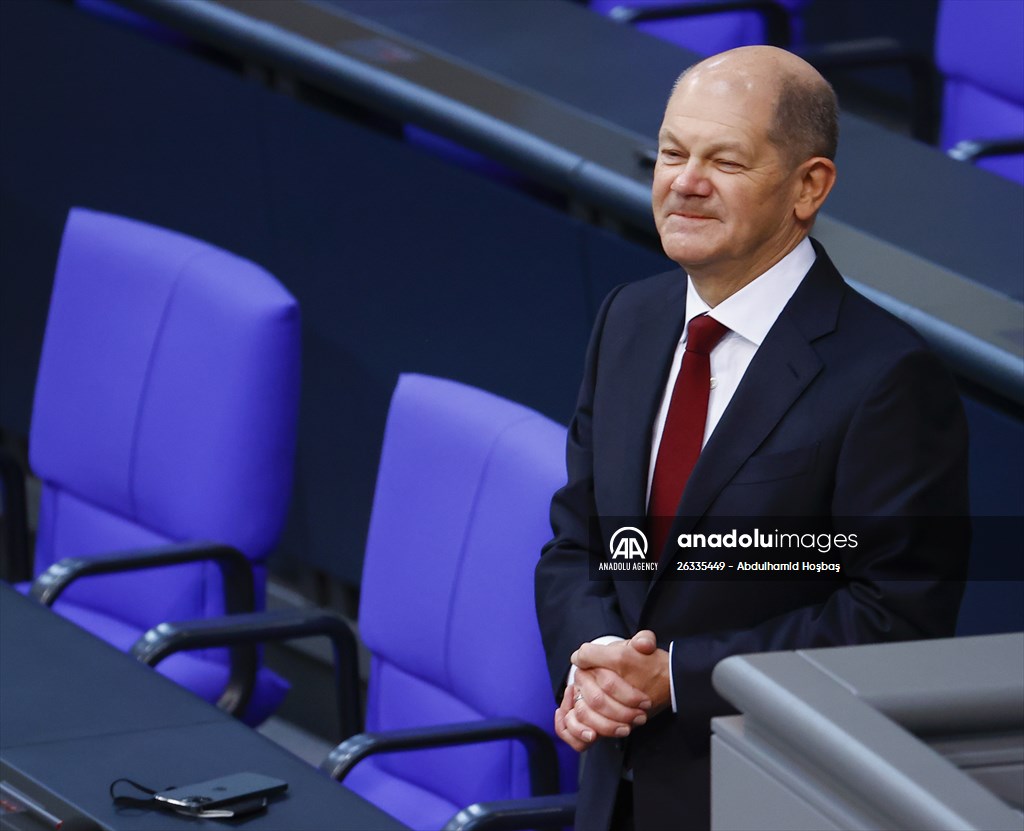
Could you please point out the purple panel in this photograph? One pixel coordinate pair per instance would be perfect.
(143, 599)
(437, 442)
(708, 37)
(167, 389)
(972, 113)
(494, 595)
(76, 528)
(216, 423)
(72, 527)
(113, 280)
(982, 41)
(705, 34)
(417, 807)
(459, 775)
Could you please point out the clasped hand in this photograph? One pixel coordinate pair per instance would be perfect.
(617, 687)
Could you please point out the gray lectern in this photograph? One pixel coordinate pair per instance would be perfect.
(920, 735)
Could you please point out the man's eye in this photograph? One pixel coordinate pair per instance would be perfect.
(729, 164)
(672, 155)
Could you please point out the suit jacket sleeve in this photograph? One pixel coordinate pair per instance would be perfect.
(571, 608)
(901, 475)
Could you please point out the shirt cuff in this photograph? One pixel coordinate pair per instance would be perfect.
(671, 676)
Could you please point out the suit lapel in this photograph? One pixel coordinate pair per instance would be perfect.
(646, 355)
(781, 370)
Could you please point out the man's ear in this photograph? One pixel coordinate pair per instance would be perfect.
(817, 175)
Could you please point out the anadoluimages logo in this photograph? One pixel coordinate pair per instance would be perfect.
(628, 543)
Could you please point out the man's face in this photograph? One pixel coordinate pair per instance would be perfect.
(723, 194)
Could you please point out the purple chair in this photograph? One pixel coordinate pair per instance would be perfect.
(164, 417)
(979, 47)
(459, 517)
(711, 26)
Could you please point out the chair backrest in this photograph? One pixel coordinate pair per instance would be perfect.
(447, 610)
(979, 48)
(165, 410)
(708, 34)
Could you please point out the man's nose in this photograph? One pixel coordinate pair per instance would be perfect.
(692, 179)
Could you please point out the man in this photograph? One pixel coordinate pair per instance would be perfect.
(820, 405)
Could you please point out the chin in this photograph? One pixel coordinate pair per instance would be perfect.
(683, 253)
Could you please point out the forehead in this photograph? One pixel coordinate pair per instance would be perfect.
(725, 107)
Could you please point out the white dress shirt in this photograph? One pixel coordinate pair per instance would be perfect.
(749, 314)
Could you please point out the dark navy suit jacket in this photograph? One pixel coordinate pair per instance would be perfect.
(843, 412)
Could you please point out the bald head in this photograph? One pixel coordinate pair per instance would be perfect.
(743, 165)
(805, 121)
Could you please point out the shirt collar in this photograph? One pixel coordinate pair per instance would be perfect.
(753, 310)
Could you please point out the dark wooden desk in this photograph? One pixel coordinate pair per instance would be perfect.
(76, 714)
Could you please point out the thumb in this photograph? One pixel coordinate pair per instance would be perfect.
(644, 642)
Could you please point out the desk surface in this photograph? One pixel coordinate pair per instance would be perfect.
(76, 714)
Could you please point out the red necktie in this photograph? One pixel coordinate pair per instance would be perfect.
(683, 434)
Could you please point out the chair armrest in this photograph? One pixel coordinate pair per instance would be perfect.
(540, 747)
(16, 565)
(239, 593)
(971, 150)
(777, 27)
(262, 627)
(511, 814)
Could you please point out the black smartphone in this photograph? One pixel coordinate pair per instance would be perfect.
(217, 793)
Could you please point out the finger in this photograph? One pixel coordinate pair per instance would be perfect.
(591, 655)
(562, 731)
(595, 699)
(644, 642)
(586, 726)
(598, 724)
(611, 695)
(618, 657)
(576, 729)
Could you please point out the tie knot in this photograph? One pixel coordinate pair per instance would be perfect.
(703, 333)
